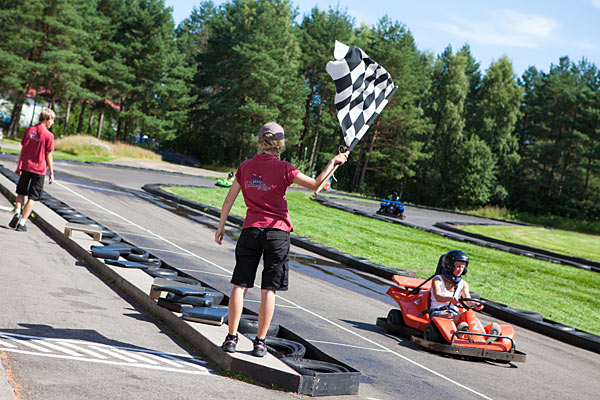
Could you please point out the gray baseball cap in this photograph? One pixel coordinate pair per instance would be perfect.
(271, 131)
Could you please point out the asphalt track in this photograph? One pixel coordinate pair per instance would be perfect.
(329, 305)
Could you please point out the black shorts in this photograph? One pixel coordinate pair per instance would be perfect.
(31, 185)
(274, 246)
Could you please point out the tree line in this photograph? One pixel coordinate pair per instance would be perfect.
(452, 136)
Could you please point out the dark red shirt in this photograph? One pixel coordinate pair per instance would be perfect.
(264, 180)
(36, 143)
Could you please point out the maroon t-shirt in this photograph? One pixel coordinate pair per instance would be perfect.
(36, 142)
(264, 180)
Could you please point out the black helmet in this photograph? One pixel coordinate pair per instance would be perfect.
(453, 256)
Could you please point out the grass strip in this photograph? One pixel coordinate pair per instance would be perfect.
(564, 294)
(560, 241)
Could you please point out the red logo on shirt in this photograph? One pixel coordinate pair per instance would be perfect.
(257, 182)
(34, 135)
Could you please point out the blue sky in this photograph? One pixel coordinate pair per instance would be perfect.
(529, 32)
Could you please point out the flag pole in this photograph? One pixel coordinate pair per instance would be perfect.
(330, 174)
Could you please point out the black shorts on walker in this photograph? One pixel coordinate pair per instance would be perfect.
(31, 185)
(273, 245)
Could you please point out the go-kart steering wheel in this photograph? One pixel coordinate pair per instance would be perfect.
(477, 306)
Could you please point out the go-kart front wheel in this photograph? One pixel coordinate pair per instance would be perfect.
(395, 317)
(432, 333)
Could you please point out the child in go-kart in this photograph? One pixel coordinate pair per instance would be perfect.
(449, 286)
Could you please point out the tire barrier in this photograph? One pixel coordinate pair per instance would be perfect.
(281, 348)
(249, 325)
(99, 252)
(195, 301)
(313, 367)
(161, 273)
(122, 249)
(137, 254)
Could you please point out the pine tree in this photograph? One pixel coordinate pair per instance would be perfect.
(250, 76)
(495, 116)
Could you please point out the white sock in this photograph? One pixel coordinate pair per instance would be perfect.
(22, 222)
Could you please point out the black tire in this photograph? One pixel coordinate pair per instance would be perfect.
(116, 239)
(182, 279)
(64, 211)
(532, 315)
(161, 273)
(197, 301)
(281, 348)
(108, 234)
(82, 221)
(432, 333)
(312, 367)
(395, 317)
(215, 294)
(249, 325)
(138, 255)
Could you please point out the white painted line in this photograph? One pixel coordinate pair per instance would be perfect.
(28, 343)
(166, 251)
(302, 308)
(99, 188)
(138, 356)
(6, 344)
(114, 353)
(276, 305)
(61, 349)
(162, 358)
(192, 372)
(204, 272)
(349, 345)
(83, 350)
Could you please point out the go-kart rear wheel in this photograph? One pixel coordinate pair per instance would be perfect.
(395, 317)
(432, 333)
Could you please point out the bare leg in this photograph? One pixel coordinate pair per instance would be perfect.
(19, 203)
(27, 210)
(236, 304)
(265, 314)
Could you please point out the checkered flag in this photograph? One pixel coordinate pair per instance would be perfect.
(363, 88)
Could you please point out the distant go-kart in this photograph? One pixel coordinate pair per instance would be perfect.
(225, 182)
(440, 334)
(392, 208)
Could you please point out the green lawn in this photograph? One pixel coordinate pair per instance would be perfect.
(561, 293)
(59, 155)
(563, 242)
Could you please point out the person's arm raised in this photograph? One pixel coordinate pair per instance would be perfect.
(313, 184)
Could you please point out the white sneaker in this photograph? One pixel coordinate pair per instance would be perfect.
(464, 327)
(494, 330)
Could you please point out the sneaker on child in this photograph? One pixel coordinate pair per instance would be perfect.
(230, 343)
(15, 220)
(21, 227)
(260, 347)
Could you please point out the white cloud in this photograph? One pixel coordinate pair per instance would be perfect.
(596, 3)
(504, 28)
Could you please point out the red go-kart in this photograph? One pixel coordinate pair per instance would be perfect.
(439, 333)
